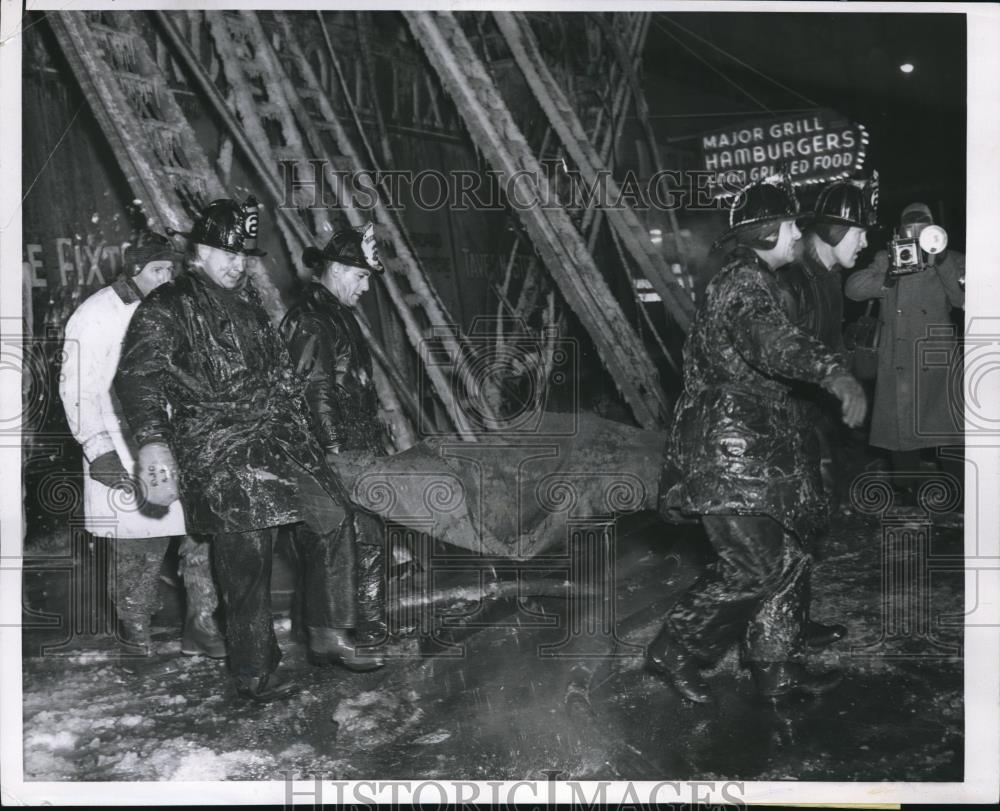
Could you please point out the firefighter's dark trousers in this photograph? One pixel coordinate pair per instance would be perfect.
(354, 568)
(243, 570)
(756, 593)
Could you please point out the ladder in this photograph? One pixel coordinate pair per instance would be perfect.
(149, 136)
(604, 120)
(563, 250)
(629, 230)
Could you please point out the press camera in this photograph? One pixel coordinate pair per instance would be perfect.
(907, 249)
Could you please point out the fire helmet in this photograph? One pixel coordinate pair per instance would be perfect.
(847, 203)
(147, 246)
(229, 226)
(355, 247)
(769, 200)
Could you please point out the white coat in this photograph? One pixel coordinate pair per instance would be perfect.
(92, 347)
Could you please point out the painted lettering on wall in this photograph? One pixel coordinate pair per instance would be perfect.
(68, 261)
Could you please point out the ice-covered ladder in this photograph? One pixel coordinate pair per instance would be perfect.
(561, 246)
(604, 121)
(149, 136)
(560, 113)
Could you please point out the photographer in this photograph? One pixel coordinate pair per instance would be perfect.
(917, 290)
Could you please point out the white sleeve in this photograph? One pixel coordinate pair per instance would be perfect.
(85, 382)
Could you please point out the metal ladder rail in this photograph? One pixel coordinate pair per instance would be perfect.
(81, 44)
(554, 235)
(611, 134)
(633, 235)
(606, 132)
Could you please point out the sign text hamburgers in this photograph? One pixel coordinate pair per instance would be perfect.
(815, 147)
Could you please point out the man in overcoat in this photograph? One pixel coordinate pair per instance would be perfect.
(736, 456)
(220, 421)
(914, 406)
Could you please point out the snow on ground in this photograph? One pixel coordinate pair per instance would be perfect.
(502, 711)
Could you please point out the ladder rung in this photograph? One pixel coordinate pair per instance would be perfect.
(155, 82)
(155, 124)
(181, 172)
(103, 28)
(268, 109)
(286, 154)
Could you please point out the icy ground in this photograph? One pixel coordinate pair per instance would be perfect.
(502, 710)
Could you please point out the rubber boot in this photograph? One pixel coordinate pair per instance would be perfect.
(371, 627)
(779, 679)
(819, 635)
(334, 646)
(668, 659)
(266, 688)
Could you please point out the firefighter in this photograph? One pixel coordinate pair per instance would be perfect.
(834, 234)
(140, 532)
(328, 348)
(220, 421)
(736, 457)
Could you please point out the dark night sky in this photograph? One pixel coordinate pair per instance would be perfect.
(849, 62)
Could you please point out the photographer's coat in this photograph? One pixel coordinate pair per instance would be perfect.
(915, 407)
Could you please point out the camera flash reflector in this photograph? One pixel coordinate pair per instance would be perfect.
(933, 239)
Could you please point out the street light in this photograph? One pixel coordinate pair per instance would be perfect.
(906, 67)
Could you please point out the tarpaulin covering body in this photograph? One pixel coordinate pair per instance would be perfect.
(513, 496)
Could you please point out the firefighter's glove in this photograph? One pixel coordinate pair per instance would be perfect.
(853, 402)
(109, 471)
(158, 474)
